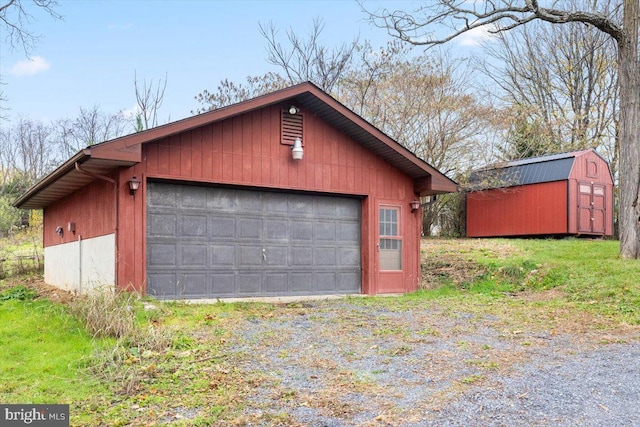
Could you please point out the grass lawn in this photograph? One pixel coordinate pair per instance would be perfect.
(44, 352)
(176, 368)
(578, 273)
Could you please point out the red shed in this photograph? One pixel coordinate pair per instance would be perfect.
(562, 194)
(290, 193)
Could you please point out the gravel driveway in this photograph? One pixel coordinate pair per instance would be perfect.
(352, 363)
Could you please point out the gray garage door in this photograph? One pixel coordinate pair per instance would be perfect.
(205, 242)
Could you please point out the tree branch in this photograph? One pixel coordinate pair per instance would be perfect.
(416, 27)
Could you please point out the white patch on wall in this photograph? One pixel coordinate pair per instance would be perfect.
(81, 265)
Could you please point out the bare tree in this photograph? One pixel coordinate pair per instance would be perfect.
(7, 158)
(619, 22)
(561, 83)
(425, 102)
(90, 127)
(148, 101)
(308, 59)
(15, 17)
(32, 150)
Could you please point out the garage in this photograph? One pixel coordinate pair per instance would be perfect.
(286, 194)
(212, 242)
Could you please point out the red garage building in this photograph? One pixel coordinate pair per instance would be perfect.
(290, 193)
(562, 194)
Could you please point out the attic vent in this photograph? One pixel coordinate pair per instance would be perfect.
(291, 126)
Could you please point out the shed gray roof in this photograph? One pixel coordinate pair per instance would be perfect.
(534, 170)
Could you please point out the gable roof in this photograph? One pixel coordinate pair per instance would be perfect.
(533, 170)
(126, 151)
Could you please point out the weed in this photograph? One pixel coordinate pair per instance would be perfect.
(107, 313)
(472, 379)
(19, 292)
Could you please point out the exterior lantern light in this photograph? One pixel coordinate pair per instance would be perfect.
(415, 205)
(134, 184)
(293, 110)
(296, 150)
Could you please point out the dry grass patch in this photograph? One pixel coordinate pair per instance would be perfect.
(456, 261)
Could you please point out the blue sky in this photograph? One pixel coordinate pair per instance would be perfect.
(89, 58)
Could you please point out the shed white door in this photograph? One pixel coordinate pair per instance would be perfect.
(205, 242)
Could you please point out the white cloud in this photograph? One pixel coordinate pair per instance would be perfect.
(474, 37)
(29, 67)
(132, 112)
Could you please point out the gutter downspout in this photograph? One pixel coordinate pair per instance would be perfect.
(116, 206)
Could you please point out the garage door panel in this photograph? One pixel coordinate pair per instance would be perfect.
(249, 256)
(325, 208)
(300, 206)
(300, 282)
(348, 257)
(347, 210)
(162, 224)
(194, 226)
(302, 230)
(233, 242)
(193, 198)
(193, 255)
(162, 254)
(344, 281)
(195, 284)
(276, 203)
(166, 198)
(248, 284)
(222, 284)
(222, 256)
(276, 283)
(276, 256)
(162, 285)
(247, 202)
(301, 256)
(325, 257)
(325, 281)
(276, 229)
(324, 231)
(348, 232)
(249, 228)
(222, 227)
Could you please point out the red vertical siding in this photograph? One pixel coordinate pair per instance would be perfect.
(518, 211)
(246, 150)
(92, 209)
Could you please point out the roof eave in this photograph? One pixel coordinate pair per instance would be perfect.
(47, 180)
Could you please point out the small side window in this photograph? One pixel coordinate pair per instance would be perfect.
(390, 239)
(592, 169)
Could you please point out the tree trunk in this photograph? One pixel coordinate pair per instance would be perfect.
(629, 80)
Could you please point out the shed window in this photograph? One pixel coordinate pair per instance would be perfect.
(390, 239)
(592, 169)
(291, 127)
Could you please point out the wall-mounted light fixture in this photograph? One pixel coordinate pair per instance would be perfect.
(296, 150)
(59, 231)
(415, 205)
(134, 184)
(294, 110)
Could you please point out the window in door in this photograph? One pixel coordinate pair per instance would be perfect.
(390, 239)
